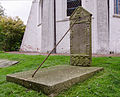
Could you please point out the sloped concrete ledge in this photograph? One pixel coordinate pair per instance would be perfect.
(52, 81)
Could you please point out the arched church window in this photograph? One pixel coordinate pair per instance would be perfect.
(72, 5)
(116, 6)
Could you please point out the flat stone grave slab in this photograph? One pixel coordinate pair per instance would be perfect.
(53, 80)
(6, 63)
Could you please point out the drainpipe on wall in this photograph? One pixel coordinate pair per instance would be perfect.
(54, 25)
(109, 22)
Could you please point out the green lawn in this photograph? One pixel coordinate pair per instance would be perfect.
(103, 84)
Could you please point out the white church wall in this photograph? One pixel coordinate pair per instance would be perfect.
(64, 46)
(32, 37)
(32, 40)
(42, 38)
(90, 5)
(63, 24)
(114, 30)
(102, 27)
(61, 9)
(100, 34)
(47, 39)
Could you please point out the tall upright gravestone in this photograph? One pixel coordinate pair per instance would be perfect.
(80, 38)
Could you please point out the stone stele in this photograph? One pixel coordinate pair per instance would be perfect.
(53, 80)
(80, 38)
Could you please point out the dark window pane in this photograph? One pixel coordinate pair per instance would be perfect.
(116, 6)
(72, 5)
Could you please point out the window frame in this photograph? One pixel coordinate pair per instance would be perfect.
(71, 7)
(117, 7)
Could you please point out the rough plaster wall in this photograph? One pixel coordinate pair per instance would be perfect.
(91, 6)
(114, 30)
(32, 37)
(47, 41)
(33, 41)
(61, 9)
(102, 27)
(63, 25)
(64, 46)
(100, 34)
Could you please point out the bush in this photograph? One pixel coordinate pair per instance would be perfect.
(11, 33)
(2, 10)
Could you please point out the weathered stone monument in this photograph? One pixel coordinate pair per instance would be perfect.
(80, 38)
(53, 80)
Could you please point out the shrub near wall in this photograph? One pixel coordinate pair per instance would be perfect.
(11, 33)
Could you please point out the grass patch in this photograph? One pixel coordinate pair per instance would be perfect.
(103, 84)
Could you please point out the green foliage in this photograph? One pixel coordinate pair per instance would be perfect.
(11, 33)
(1, 11)
(103, 84)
